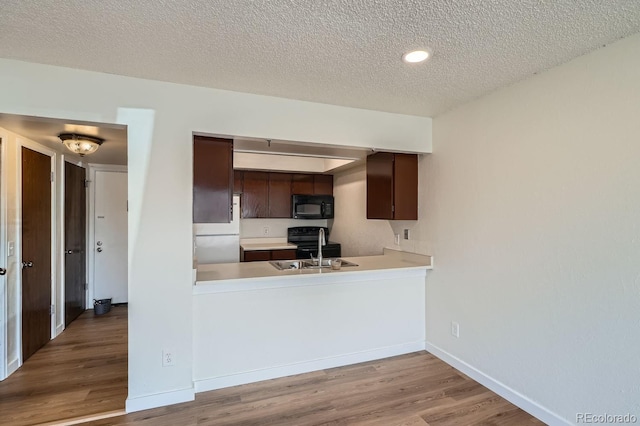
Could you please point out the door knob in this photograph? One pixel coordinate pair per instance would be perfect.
(69, 252)
(27, 264)
(99, 249)
(3, 271)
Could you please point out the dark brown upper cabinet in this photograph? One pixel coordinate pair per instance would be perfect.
(308, 184)
(238, 176)
(268, 194)
(280, 195)
(392, 186)
(212, 179)
(322, 185)
(302, 184)
(255, 194)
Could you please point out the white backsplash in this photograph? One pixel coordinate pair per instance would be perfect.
(254, 228)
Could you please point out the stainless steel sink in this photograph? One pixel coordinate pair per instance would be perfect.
(288, 264)
(307, 264)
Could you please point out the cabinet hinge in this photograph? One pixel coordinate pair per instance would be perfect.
(393, 209)
(86, 183)
(52, 309)
(52, 176)
(86, 286)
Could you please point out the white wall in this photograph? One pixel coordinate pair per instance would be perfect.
(296, 326)
(161, 118)
(253, 228)
(533, 216)
(12, 220)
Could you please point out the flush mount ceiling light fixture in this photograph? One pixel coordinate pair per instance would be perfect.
(415, 56)
(81, 144)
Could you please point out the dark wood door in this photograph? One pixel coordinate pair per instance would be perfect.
(255, 194)
(380, 186)
(36, 251)
(405, 187)
(212, 179)
(323, 185)
(74, 242)
(302, 184)
(280, 195)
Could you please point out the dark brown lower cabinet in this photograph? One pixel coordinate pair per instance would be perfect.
(263, 255)
(283, 254)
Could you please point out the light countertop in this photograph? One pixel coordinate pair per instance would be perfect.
(256, 244)
(229, 273)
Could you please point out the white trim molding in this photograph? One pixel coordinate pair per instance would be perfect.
(4, 261)
(159, 400)
(511, 395)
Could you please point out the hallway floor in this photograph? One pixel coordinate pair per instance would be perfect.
(81, 373)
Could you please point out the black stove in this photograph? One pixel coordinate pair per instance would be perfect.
(306, 238)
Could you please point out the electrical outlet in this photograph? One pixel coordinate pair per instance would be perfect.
(397, 239)
(406, 234)
(265, 230)
(455, 329)
(168, 358)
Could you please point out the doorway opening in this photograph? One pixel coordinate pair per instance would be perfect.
(48, 215)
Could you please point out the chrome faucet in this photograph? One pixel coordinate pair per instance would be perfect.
(321, 242)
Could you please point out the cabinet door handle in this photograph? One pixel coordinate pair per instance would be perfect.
(27, 264)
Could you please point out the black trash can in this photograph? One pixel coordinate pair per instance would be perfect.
(101, 306)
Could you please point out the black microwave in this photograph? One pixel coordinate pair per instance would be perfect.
(312, 206)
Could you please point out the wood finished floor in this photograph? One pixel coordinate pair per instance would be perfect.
(89, 376)
(80, 373)
(409, 390)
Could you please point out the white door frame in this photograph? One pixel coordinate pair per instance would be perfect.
(3, 257)
(91, 239)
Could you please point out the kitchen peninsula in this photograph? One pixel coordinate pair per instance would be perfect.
(304, 320)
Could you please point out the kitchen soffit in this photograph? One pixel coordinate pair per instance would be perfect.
(291, 156)
(338, 52)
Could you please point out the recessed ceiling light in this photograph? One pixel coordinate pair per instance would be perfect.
(415, 56)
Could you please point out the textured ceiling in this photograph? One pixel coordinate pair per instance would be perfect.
(344, 52)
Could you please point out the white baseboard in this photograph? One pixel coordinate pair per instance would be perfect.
(159, 400)
(500, 388)
(13, 366)
(59, 329)
(305, 366)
